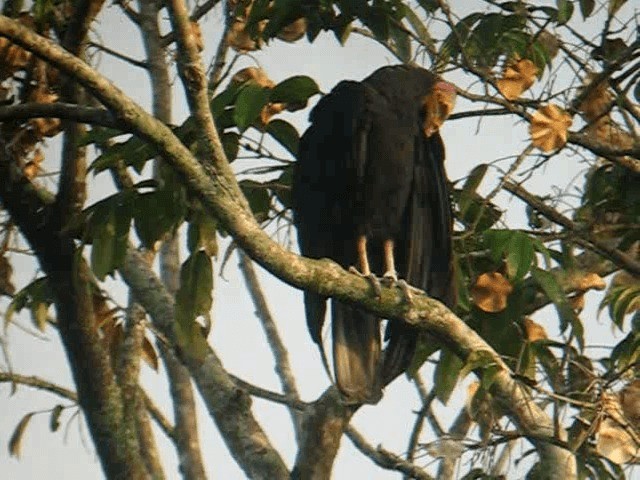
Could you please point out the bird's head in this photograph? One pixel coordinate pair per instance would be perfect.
(437, 106)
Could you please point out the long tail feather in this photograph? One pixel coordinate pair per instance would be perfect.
(356, 354)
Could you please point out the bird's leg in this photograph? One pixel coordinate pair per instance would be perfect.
(365, 269)
(390, 274)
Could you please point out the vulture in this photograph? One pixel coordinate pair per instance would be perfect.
(370, 192)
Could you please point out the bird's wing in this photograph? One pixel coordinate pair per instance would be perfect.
(424, 250)
(326, 169)
(331, 164)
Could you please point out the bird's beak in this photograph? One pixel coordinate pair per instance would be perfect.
(438, 105)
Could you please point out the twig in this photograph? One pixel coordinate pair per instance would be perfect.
(581, 237)
(280, 354)
(386, 459)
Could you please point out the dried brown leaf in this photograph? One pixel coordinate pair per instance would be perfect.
(549, 128)
(534, 330)
(149, 354)
(630, 403)
(294, 31)
(491, 291)
(597, 101)
(15, 442)
(517, 77)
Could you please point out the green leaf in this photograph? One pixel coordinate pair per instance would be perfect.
(419, 28)
(445, 377)
(251, 99)
(565, 11)
(109, 223)
(194, 298)
(554, 292)
(202, 233)
(98, 135)
(258, 196)
(224, 100)
(135, 152)
(37, 296)
(401, 43)
(497, 241)
(586, 8)
(230, 144)
(471, 184)
(282, 187)
(294, 90)
(159, 212)
(520, 254)
(477, 359)
(285, 134)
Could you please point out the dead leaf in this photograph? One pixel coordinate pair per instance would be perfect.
(255, 74)
(294, 31)
(615, 443)
(6, 272)
(615, 437)
(598, 100)
(549, 127)
(534, 330)
(239, 39)
(15, 443)
(482, 409)
(517, 77)
(149, 354)
(490, 292)
(630, 403)
(590, 281)
(437, 106)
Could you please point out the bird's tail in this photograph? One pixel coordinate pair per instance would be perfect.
(399, 352)
(356, 354)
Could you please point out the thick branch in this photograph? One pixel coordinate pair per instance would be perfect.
(229, 406)
(99, 395)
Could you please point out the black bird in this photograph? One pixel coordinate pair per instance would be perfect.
(369, 190)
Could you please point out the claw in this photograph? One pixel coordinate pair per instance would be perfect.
(390, 278)
(406, 291)
(373, 280)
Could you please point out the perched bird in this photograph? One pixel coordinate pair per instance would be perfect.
(369, 191)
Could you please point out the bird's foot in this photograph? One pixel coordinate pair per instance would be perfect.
(390, 278)
(373, 280)
(406, 291)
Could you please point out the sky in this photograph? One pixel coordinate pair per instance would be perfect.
(236, 334)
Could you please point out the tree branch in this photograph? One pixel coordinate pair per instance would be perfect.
(283, 367)
(580, 235)
(386, 459)
(229, 406)
(65, 111)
